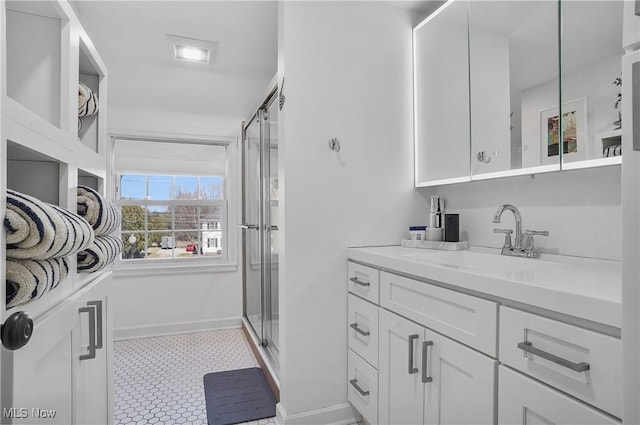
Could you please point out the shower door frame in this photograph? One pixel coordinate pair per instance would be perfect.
(264, 229)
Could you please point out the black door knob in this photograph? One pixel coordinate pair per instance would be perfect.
(16, 331)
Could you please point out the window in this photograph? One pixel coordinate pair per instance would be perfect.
(172, 217)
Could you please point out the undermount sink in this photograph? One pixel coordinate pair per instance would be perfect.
(476, 261)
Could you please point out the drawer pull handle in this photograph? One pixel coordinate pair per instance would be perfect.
(577, 367)
(355, 327)
(412, 369)
(362, 392)
(358, 282)
(425, 353)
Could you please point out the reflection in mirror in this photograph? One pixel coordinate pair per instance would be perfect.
(591, 84)
(441, 85)
(513, 48)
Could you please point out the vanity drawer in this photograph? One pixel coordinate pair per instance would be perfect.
(364, 281)
(468, 319)
(580, 362)
(363, 329)
(362, 387)
(521, 400)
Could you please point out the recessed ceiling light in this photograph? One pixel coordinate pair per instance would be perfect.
(193, 50)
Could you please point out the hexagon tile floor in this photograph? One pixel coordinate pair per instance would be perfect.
(159, 380)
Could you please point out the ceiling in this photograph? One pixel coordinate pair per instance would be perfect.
(131, 37)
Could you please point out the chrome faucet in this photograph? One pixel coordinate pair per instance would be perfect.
(523, 245)
(518, 217)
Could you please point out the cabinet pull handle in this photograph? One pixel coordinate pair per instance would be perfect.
(362, 392)
(98, 305)
(425, 353)
(637, 11)
(576, 367)
(412, 369)
(355, 327)
(358, 282)
(92, 333)
(635, 102)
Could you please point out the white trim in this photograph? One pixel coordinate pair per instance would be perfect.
(147, 331)
(142, 267)
(517, 172)
(444, 181)
(171, 137)
(340, 414)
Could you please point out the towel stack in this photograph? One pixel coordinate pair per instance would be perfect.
(39, 236)
(104, 218)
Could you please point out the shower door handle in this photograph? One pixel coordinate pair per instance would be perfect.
(249, 226)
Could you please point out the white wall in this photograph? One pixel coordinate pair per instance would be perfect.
(347, 67)
(581, 209)
(161, 302)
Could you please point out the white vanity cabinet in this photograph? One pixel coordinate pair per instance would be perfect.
(427, 378)
(448, 354)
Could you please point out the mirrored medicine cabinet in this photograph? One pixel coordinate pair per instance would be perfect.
(504, 88)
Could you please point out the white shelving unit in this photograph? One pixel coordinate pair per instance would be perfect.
(45, 52)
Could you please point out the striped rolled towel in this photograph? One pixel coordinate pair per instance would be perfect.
(87, 101)
(101, 214)
(29, 279)
(37, 230)
(102, 252)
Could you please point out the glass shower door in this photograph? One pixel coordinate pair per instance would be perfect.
(260, 226)
(251, 217)
(270, 155)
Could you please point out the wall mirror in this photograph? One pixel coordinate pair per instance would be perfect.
(519, 67)
(591, 70)
(441, 95)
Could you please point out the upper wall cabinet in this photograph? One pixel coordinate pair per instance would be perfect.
(441, 69)
(519, 95)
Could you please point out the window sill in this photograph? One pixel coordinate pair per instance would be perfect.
(136, 268)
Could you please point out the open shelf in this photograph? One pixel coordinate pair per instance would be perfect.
(86, 178)
(34, 52)
(33, 173)
(91, 76)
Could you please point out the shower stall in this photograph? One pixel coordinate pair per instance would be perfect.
(260, 226)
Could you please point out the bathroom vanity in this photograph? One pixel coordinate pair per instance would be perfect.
(475, 337)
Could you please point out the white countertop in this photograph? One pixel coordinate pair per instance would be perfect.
(585, 288)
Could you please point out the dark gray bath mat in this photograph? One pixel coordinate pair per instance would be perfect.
(237, 396)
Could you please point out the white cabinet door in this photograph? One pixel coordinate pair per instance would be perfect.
(463, 381)
(92, 344)
(401, 391)
(36, 379)
(522, 400)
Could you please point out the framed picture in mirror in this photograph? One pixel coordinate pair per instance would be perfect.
(574, 132)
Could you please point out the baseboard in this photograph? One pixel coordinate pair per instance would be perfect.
(175, 328)
(340, 414)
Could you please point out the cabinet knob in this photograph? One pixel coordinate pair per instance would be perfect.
(16, 331)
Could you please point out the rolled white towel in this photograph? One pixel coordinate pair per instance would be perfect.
(102, 252)
(29, 279)
(37, 230)
(87, 101)
(101, 214)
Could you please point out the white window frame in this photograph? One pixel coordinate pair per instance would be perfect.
(226, 263)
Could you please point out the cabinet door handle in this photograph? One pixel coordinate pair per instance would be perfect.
(92, 333)
(98, 305)
(358, 282)
(576, 367)
(635, 102)
(362, 392)
(425, 354)
(637, 11)
(412, 369)
(355, 327)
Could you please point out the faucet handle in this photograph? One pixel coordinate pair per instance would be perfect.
(507, 237)
(529, 245)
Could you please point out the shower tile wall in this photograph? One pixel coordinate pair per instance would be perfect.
(159, 380)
